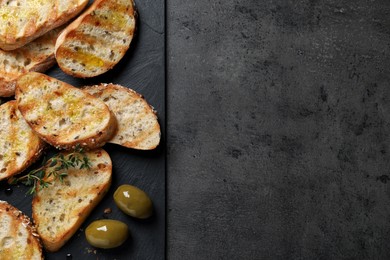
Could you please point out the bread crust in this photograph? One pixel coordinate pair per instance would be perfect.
(36, 24)
(7, 88)
(32, 244)
(19, 145)
(63, 193)
(81, 50)
(62, 115)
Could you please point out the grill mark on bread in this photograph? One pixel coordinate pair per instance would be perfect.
(93, 44)
(86, 59)
(143, 135)
(112, 20)
(113, 37)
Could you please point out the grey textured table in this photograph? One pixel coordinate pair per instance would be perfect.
(278, 129)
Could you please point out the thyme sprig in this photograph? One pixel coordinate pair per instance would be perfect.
(54, 168)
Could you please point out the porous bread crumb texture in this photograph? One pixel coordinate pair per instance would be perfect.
(21, 21)
(18, 237)
(37, 55)
(138, 127)
(60, 113)
(99, 41)
(57, 210)
(19, 145)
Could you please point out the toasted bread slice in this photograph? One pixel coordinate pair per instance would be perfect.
(60, 209)
(98, 39)
(18, 236)
(63, 115)
(138, 127)
(20, 146)
(37, 55)
(22, 21)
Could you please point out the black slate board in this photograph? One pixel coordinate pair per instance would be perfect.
(142, 69)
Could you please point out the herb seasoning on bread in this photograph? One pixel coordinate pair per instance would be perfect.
(60, 209)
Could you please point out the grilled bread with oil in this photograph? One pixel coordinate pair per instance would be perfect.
(138, 127)
(20, 146)
(62, 115)
(18, 236)
(22, 21)
(37, 55)
(60, 209)
(98, 39)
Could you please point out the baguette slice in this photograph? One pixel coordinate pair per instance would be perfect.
(138, 127)
(19, 145)
(96, 41)
(22, 21)
(60, 209)
(63, 115)
(18, 236)
(37, 55)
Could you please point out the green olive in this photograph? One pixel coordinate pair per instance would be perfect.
(106, 233)
(133, 201)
